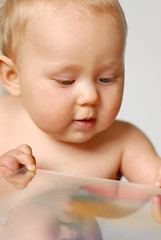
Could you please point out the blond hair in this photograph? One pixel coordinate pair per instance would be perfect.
(15, 14)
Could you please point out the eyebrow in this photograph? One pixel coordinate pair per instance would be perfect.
(65, 67)
(112, 63)
(61, 67)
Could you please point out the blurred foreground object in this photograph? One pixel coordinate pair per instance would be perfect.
(59, 206)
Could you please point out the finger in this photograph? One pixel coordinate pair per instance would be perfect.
(25, 148)
(1, 228)
(4, 172)
(28, 150)
(156, 208)
(19, 180)
(8, 165)
(22, 158)
(158, 178)
(13, 159)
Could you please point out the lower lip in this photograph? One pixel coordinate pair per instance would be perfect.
(84, 124)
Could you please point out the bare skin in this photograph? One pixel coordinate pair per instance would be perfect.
(119, 148)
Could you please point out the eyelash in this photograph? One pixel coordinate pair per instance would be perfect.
(106, 80)
(70, 82)
(65, 83)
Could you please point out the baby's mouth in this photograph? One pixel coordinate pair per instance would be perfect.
(85, 123)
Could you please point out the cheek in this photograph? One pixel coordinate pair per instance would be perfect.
(116, 102)
(50, 108)
(53, 110)
(112, 102)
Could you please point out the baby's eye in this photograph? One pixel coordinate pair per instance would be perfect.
(105, 80)
(65, 82)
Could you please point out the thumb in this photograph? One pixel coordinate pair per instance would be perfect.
(25, 148)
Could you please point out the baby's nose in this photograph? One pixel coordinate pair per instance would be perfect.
(88, 95)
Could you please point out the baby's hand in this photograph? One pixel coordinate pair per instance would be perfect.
(156, 208)
(158, 177)
(15, 159)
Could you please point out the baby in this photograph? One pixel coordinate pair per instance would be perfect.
(62, 63)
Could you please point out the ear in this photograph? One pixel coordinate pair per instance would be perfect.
(9, 76)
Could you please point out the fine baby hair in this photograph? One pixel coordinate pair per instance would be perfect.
(15, 14)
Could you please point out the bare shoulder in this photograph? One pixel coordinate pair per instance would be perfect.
(120, 135)
(126, 137)
(123, 130)
(130, 134)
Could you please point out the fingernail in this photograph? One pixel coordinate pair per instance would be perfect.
(31, 168)
(158, 184)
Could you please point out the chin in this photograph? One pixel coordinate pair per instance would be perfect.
(82, 139)
(79, 137)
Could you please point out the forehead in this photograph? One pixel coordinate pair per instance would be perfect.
(70, 27)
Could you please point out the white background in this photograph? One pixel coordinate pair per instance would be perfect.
(142, 95)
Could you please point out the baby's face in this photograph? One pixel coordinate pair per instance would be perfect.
(72, 71)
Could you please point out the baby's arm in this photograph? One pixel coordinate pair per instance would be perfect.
(16, 158)
(140, 162)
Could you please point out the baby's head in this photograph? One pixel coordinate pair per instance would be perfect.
(15, 14)
(65, 60)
